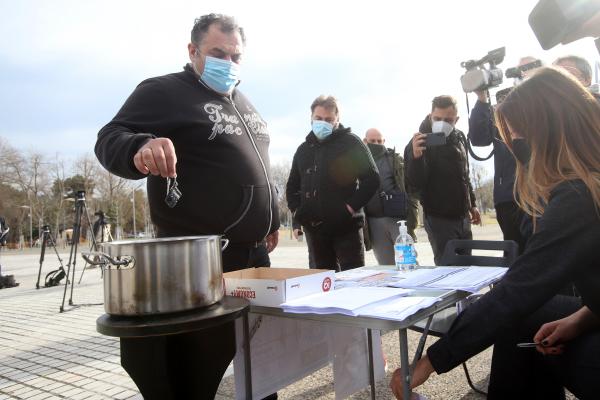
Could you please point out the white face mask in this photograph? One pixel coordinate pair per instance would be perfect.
(442, 126)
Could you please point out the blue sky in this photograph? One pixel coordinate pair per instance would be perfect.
(67, 66)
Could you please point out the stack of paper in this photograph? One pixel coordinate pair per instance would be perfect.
(469, 279)
(398, 309)
(364, 278)
(355, 274)
(345, 301)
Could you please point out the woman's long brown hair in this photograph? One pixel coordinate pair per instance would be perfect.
(560, 120)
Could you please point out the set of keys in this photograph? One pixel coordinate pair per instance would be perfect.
(173, 192)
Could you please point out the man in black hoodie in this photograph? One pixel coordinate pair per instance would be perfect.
(440, 174)
(195, 125)
(198, 120)
(332, 177)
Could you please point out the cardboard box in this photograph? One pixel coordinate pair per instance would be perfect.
(273, 286)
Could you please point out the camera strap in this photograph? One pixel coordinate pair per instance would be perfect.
(468, 142)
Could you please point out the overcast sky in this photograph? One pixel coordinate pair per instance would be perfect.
(66, 67)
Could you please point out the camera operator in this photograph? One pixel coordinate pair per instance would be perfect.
(581, 69)
(438, 168)
(100, 226)
(483, 132)
(3, 231)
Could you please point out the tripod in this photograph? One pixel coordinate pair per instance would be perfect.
(80, 206)
(53, 278)
(6, 281)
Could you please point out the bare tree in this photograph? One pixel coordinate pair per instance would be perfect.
(30, 185)
(480, 186)
(29, 173)
(59, 191)
(109, 186)
(6, 154)
(113, 192)
(88, 167)
(11, 197)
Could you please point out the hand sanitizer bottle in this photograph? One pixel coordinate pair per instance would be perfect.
(404, 250)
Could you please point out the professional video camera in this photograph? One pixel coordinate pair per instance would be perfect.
(517, 72)
(101, 216)
(478, 77)
(564, 21)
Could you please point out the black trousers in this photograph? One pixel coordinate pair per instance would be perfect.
(183, 366)
(441, 230)
(189, 365)
(519, 373)
(240, 256)
(339, 252)
(510, 217)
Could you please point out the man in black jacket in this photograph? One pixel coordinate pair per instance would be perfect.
(483, 132)
(440, 173)
(195, 125)
(514, 223)
(332, 177)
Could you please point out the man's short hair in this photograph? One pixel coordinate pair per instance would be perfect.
(328, 102)
(580, 63)
(443, 102)
(227, 24)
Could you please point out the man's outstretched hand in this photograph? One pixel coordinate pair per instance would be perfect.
(157, 157)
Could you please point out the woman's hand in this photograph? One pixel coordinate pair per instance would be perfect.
(419, 376)
(553, 335)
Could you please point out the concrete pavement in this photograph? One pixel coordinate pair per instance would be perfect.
(45, 354)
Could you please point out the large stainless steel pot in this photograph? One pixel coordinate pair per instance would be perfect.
(156, 276)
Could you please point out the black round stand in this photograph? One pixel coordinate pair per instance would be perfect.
(181, 355)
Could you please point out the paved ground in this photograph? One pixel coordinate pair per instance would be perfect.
(45, 354)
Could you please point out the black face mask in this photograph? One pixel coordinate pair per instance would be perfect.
(521, 150)
(376, 149)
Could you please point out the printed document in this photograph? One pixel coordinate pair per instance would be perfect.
(398, 309)
(470, 279)
(342, 301)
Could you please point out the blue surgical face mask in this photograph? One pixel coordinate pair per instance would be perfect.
(220, 75)
(321, 129)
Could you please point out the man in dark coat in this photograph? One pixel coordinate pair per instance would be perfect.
(333, 176)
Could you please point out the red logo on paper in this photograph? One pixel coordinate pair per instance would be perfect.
(247, 294)
(326, 284)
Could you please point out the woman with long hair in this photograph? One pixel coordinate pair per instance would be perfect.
(551, 123)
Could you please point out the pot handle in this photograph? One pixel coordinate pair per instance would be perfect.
(106, 260)
(224, 243)
(89, 258)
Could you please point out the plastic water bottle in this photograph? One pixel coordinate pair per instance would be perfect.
(405, 253)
